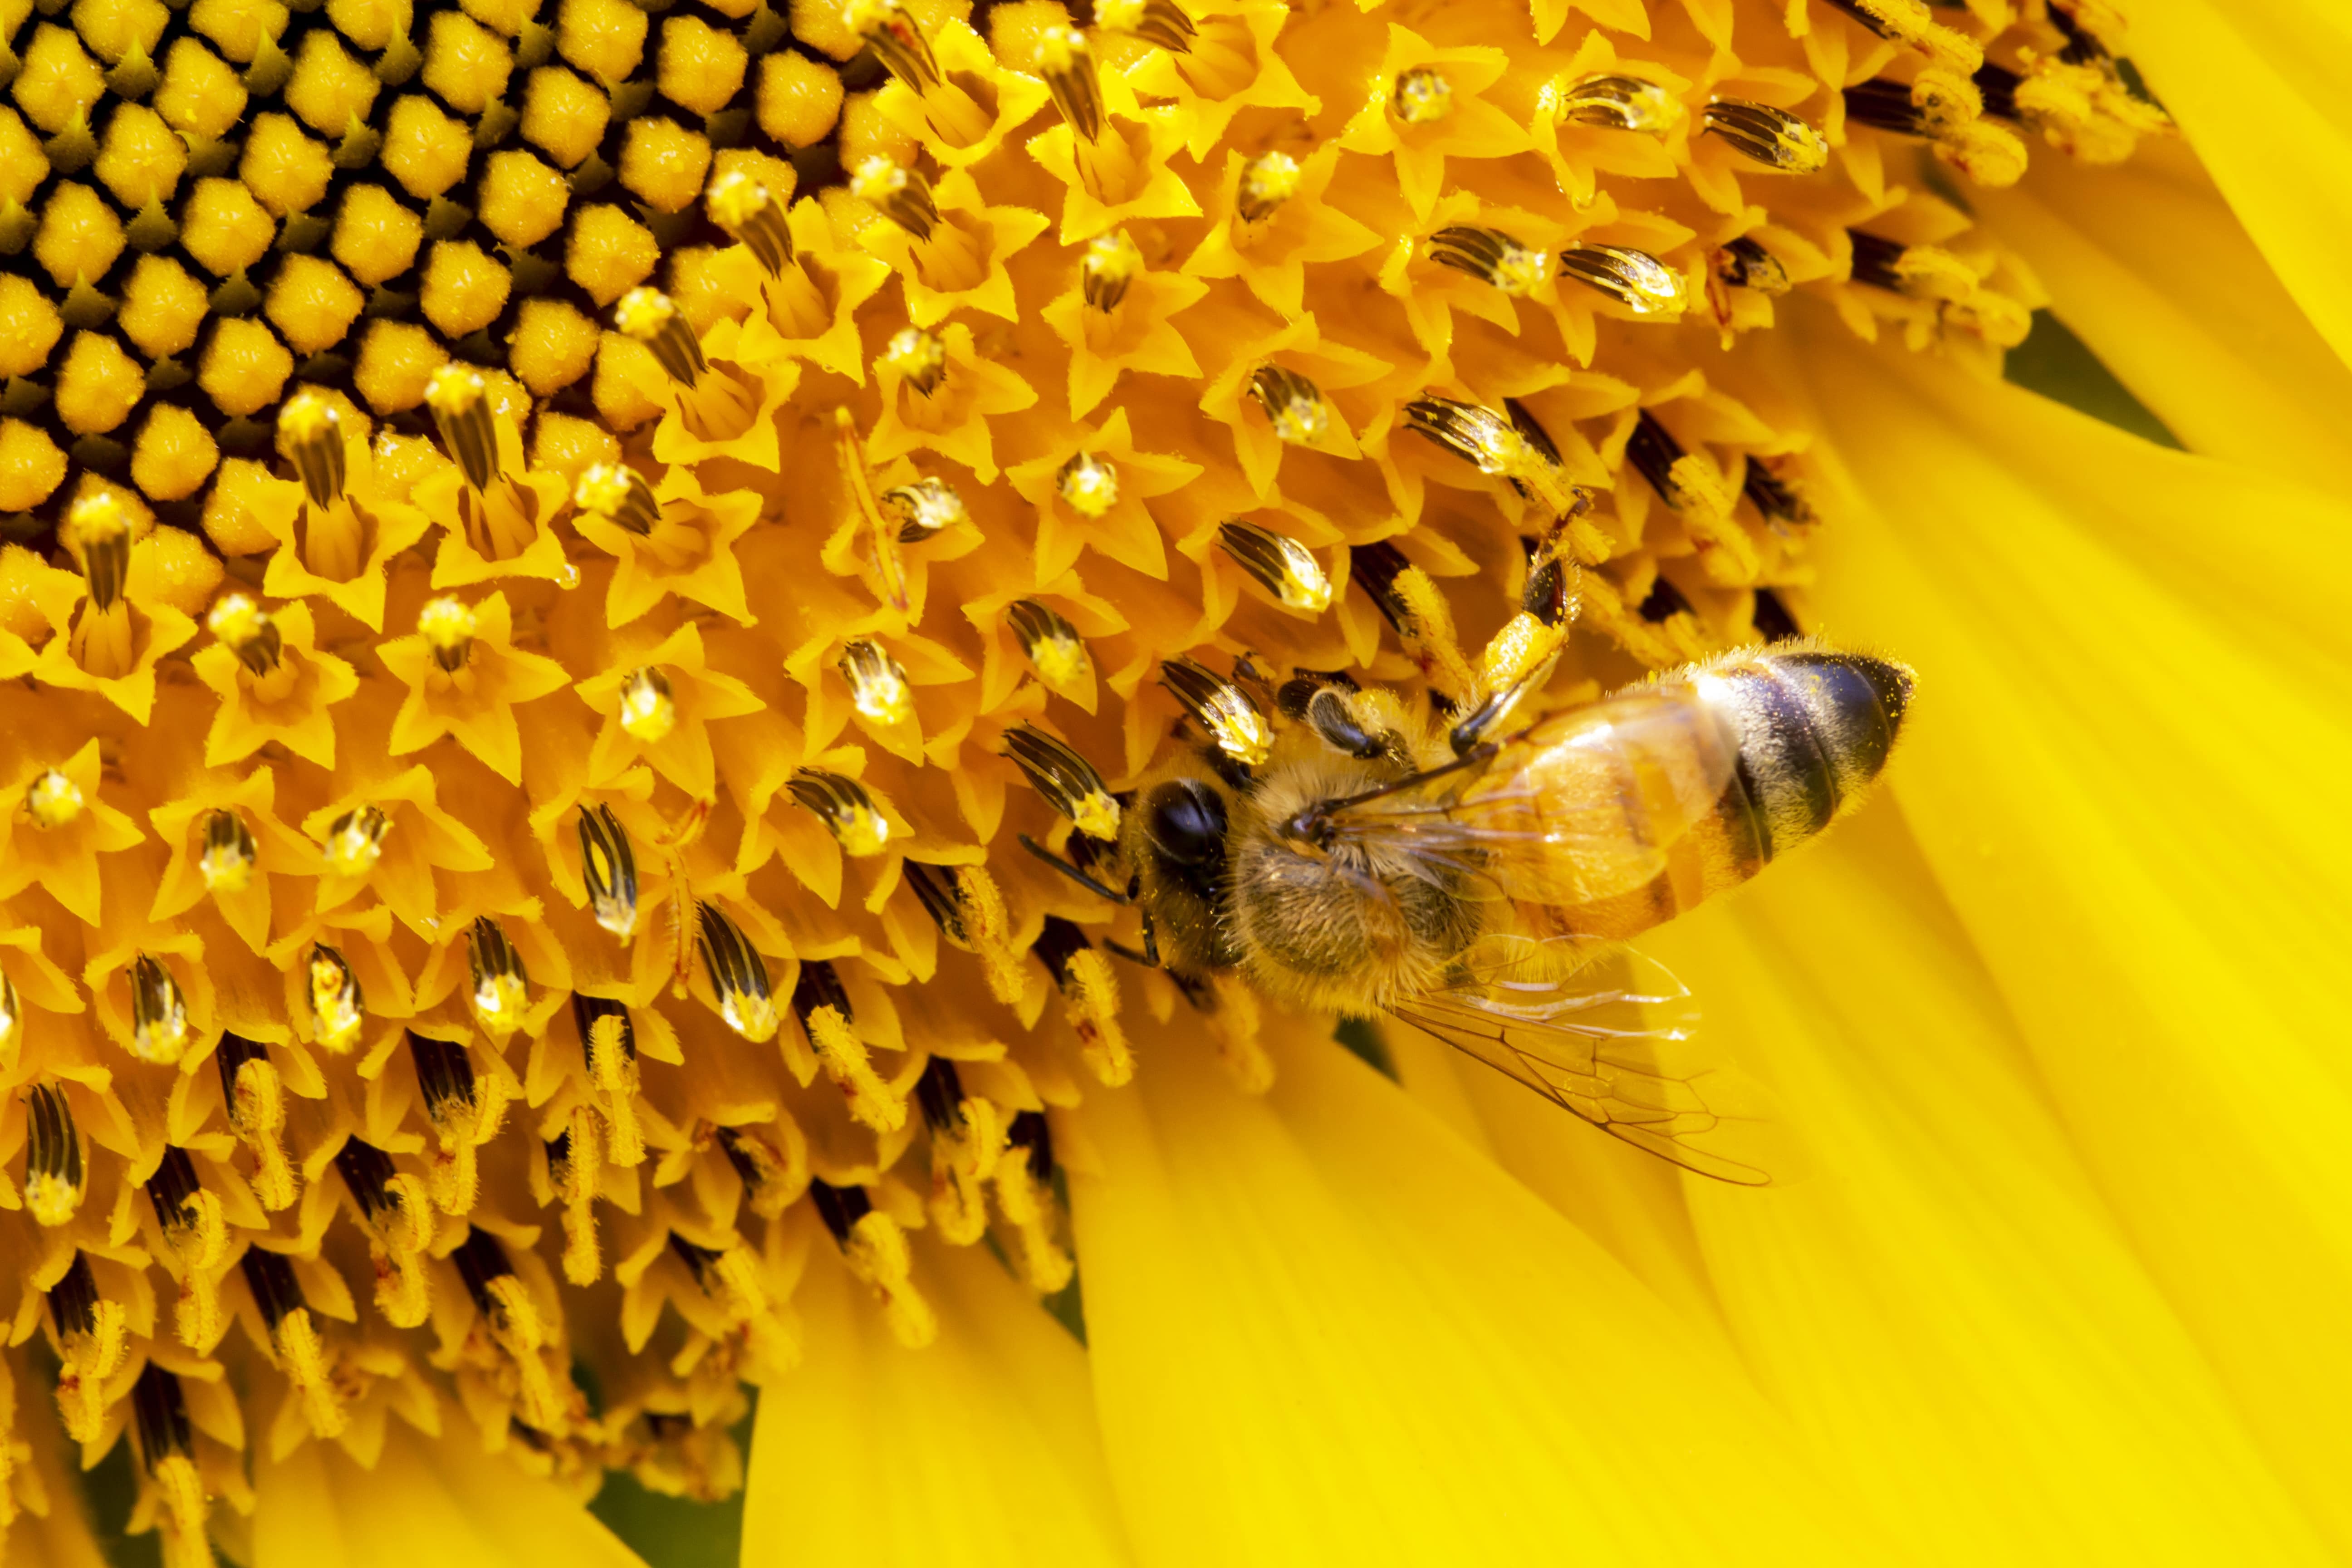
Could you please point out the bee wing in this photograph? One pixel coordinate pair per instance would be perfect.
(1581, 806)
(1619, 1051)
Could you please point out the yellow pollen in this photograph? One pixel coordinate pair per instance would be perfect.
(336, 1009)
(448, 627)
(1421, 96)
(52, 800)
(355, 841)
(256, 1114)
(844, 1057)
(877, 1252)
(648, 708)
(1268, 181)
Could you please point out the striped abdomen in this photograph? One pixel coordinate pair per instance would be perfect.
(1662, 795)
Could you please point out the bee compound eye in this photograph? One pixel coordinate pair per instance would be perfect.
(1185, 821)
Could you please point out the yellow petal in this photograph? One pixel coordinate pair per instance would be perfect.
(980, 1449)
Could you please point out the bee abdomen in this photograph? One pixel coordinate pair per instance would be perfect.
(1813, 729)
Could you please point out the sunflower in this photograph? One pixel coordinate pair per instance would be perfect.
(563, 552)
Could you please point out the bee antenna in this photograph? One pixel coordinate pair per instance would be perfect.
(1072, 872)
(1314, 824)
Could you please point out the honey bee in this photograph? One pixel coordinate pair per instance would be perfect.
(1341, 854)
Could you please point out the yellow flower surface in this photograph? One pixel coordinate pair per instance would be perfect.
(600, 603)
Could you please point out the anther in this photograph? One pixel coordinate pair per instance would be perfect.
(896, 41)
(1489, 257)
(574, 1167)
(513, 1321)
(1268, 181)
(1686, 481)
(876, 1250)
(460, 401)
(1505, 446)
(1160, 22)
(337, 1009)
(846, 807)
(608, 869)
(53, 1166)
(619, 495)
(12, 1024)
(823, 1007)
(1421, 96)
(1782, 502)
(1294, 405)
(1109, 268)
(400, 1217)
(935, 890)
(1664, 601)
(739, 976)
(1283, 567)
(1089, 990)
(1921, 271)
(52, 800)
(1067, 63)
(877, 683)
(898, 192)
(1408, 598)
(501, 990)
(649, 706)
(969, 908)
(167, 1449)
(311, 433)
(648, 316)
(1068, 781)
(93, 1336)
(1770, 617)
(967, 1135)
(256, 1100)
(1742, 263)
(1910, 22)
(746, 211)
(1024, 1191)
(229, 856)
(773, 1177)
(1639, 281)
(1053, 648)
(1220, 708)
(100, 533)
(839, 1207)
(1614, 102)
(464, 1111)
(925, 509)
(609, 1039)
(355, 841)
(158, 1013)
(920, 359)
(300, 1351)
(1087, 484)
(448, 627)
(246, 629)
(1772, 137)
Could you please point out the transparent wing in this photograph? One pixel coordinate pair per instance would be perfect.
(1583, 806)
(1617, 1043)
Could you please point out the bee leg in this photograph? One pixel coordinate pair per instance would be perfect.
(1073, 872)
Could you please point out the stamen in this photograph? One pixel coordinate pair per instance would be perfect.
(1910, 22)
(1025, 1188)
(448, 626)
(1775, 496)
(966, 1137)
(877, 683)
(401, 1217)
(256, 1100)
(1220, 708)
(1771, 619)
(1283, 567)
(93, 1338)
(608, 869)
(460, 401)
(1408, 598)
(649, 706)
(101, 532)
(158, 1013)
(1772, 137)
(737, 975)
(609, 1037)
(1294, 405)
(1068, 64)
(648, 316)
(337, 1009)
(617, 494)
(230, 854)
(506, 1307)
(355, 841)
(311, 433)
(935, 890)
(1068, 781)
(969, 908)
(1055, 648)
(925, 509)
(1089, 990)
(744, 207)
(300, 1352)
(246, 630)
(1686, 481)
(1664, 601)
(12, 1024)
(1109, 268)
(574, 1167)
(731, 1278)
(1921, 271)
(896, 41)
(823, 1007)
(773, 1178)
(1742, 263)
(1421, 96)
(846, 807)
(53, 1165)
(52, 800)
(920, 359)
(1268, 181)
(501, 990)
(1491, 257)
(447, 1078)
(876, 1250)
(1614, 102)
(1635, 279)
(1501, 446)
(898, 192)
(1160, 22)
(1089, 484)
(166, 1447)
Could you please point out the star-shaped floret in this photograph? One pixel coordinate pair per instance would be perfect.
(387, 834)
(286, 702)
(1269, 219)
(1423, 106)
(465, 678)
(1090, 493)
(226, 841)
(688, 551)
(1123, 176)
(1115, 318)
(962, 264)
(54, 825)
(658, 699)
(1275, 393)
(966, 391)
